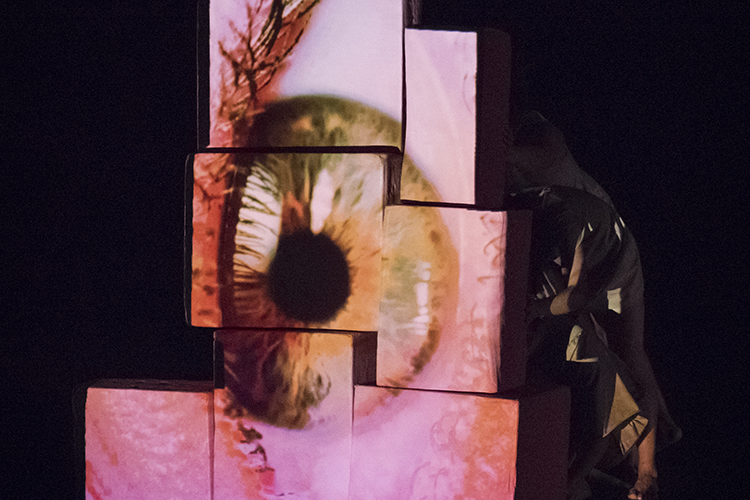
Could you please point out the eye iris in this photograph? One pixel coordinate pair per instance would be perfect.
(308, 278)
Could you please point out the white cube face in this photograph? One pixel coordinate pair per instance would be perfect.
(441, 85)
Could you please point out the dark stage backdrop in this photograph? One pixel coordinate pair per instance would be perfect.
(99, 114)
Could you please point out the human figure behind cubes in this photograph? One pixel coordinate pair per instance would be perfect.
(586, 311)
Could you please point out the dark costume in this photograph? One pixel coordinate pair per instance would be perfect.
(597, 348)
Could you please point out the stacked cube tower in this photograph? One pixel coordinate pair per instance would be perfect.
(346, 245)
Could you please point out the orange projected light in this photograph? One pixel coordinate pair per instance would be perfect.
(148, 444)
(441, 81)
(426, 444)
(422, 318)
(262, 50)
(287, 240)
(283, 425)
(301, 241)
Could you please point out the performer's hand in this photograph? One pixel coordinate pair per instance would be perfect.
(538, 308)
(645, 488)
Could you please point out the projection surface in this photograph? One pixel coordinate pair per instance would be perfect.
(264, 198)
(302, 234)
(243, 203)
(148, 444)
(441, 81)
(429, 444)
(263, 50)
(284, 422)
(407, 444)
(460, 349)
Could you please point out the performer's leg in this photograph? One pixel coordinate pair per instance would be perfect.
(645, 487)
(585, 457)
(592, 387)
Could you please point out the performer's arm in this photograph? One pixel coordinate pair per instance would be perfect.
(561, 303)
(646, 467)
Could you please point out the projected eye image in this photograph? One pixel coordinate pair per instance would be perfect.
(293, 246)
(315, 218)
(283, 423)
(264, 50)
(301, 241)
(464, 350)
(293, 239)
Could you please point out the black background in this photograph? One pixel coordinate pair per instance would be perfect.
(99, 113)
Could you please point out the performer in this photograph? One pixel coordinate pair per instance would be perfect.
(587, 313)
(540, 147)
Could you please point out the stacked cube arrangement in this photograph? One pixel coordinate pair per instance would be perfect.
(366, 297)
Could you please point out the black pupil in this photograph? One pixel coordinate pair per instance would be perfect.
(308, 278)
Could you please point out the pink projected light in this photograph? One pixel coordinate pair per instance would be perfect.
(441, 79)
(148, 444)
(427, 444)
(259, 455)
(351, 50)
(464, 353)
(327, 47)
